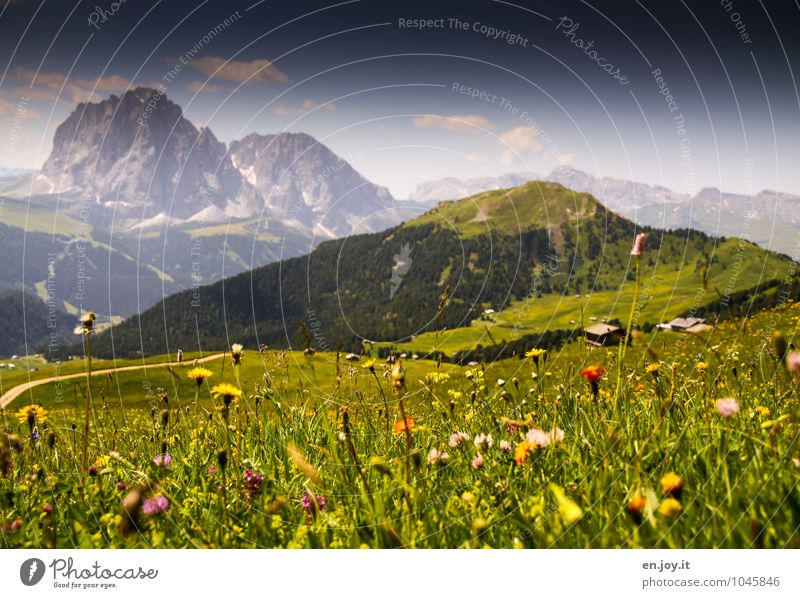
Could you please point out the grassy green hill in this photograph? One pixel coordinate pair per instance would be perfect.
(26, 325)
(524, 253)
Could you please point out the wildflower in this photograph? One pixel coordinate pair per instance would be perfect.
(212, 469)
(570, 512)
(701, 367)
(162, 460)
(226, 391)
(455, 395)
(199, 374)
(594, 373)
(312, 503)
(400, 426)
(672, 485)
(522, 452)
(505, 446)
(477, 461)
(501, 383)
(535, 354)
(35, 433)
(369, 364)
(793, 361)
(638, 245)
(727, 407)
(483, 442)
(652, 368)
(120, 485)
(670, 507)
(437, 377)
(537, 439)
(93, 471)
(237, 351)
(762, 411)
(86, 323)
(32, 414)
(252, 483)
(457, 439)
(155, 505)
(437, 457)
(635, 508)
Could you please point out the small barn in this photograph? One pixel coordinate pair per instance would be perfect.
(687, 325)
(604, 335)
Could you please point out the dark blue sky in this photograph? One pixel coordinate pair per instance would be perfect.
(393, 98)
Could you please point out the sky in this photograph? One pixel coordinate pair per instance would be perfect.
(686, 94)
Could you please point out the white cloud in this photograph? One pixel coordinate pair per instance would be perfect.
(565, 159)
(49, 87)
(237, 71)
(470, 123)
(520, 143)
(200, 87)
(306, 107)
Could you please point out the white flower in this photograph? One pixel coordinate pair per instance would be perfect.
(537, 438)
(435, 456)
(501, 383)
(483, 442)
(505, 446)
(556, 436)
(457, 439)
(477, 461)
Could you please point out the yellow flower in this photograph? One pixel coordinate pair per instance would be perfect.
(570, 512)
(369, 364)
(535, 354)
(522, 452)
(670, 507)
(400, 426)
(672, 485)
(701, 367)
(762, 411)
(32, 414)
(436, 377)
(102, 461)
(199, 374)
(653, 368)
(226, 390)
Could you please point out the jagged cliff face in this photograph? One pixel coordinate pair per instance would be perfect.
(140, 152)
(301, 180)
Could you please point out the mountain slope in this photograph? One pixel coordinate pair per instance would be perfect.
(303, 181)
(494, 250)
(32, 326)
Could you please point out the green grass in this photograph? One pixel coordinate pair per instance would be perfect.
(739, 474)
(38, 218)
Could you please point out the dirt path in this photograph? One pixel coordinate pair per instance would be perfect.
(12, 394)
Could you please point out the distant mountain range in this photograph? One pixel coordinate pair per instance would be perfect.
(8, 171)
(140, 203)
(493, 250)
(769, 219)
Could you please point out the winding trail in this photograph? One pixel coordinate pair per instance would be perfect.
(17, 390)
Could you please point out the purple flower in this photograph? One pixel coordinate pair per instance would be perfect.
(92, 470)
(727, 407)
(252, 482)
(162, 460)
(212, 469)
(35, 433)
(793, 361)
(312, 503)
(121, 485)
(155, 505)
(638, 245)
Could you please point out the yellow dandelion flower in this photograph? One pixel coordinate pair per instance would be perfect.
(701, 367)
(199, 374)
(522, 452)
(672, 485)
(653, 368)
(227, 391)
(369, 364)
(763, 411)
(670, 507)
(32, 414)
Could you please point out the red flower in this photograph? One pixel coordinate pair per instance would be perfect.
(594, 373)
